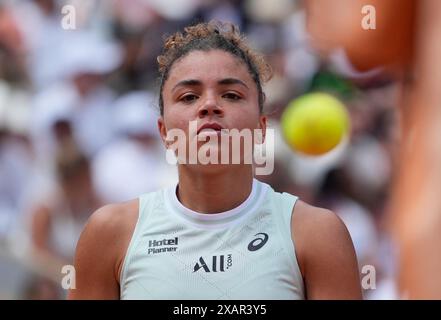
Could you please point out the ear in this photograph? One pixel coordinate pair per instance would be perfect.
(262, 126)
(162, 130)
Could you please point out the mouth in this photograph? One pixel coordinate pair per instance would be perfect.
(210, 128)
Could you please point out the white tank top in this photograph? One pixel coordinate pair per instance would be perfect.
(241, 254)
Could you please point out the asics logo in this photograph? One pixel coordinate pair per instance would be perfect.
(259, 242)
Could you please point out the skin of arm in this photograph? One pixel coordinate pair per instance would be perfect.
(43, 259)
(101, 250)
(325, 254)
(40, 227)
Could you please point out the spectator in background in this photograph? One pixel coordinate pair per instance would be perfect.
(56, 222)
(136, 162)
(42, 36)
(82, 95)
(12, 48)
(15, 163)
(54, 218)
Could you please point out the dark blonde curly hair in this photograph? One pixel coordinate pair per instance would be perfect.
(212, 36)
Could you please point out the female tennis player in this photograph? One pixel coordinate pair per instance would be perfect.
(220, 233)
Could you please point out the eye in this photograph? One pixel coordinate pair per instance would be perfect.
(188, 98)
(232, 96)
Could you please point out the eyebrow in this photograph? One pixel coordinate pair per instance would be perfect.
(232, 81)
(194, 83)
(187, 83)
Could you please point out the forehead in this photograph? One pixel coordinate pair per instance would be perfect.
(209, 66)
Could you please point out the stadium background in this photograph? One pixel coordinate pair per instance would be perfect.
(78, 113)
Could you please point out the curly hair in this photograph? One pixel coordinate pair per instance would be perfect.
(212, 36)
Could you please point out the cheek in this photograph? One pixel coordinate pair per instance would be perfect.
(247, 119)
(176, 119)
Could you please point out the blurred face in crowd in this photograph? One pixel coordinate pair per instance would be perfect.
(76, 182)
(86, 82)
(48, 6)
(211, 87)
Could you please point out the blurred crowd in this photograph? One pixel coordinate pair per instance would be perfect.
(78, 111)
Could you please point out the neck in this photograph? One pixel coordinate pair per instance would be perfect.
(214, 192)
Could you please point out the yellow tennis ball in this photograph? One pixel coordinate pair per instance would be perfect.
(314, 123)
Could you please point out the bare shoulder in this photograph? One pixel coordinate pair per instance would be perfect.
(114, 219)
(325, 254)
(317, 230)
(316, 219)
(101, 250)
(115, 224)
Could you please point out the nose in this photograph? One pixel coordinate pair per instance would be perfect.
(210, 107)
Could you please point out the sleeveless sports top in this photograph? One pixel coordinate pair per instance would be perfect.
(244, 253)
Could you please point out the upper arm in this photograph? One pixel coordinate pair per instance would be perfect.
(40, 224)
(100, 252)
(326, 254)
